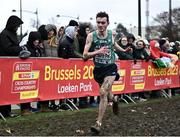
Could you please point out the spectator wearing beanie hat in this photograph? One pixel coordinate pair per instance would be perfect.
(76, 42)
(73, 23)
(44, 37)
(77, 51)
(33, 44)
(43, 32)
(164, 45)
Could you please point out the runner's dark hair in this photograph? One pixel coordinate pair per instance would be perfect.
(103, 14)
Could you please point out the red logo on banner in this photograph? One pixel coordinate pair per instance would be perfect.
(25, 80)
(21, 67)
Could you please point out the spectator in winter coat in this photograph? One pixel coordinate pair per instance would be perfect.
(33, 44)
(9, 46)
(9, 39)
(66, 49)
(156, 54)
(155, 51)
(76, 42)
(141, 52)
(44, 38)
(164, 45)
(131, 39)
(47, 33)
(82, 34)
(123, 43)
(51, 44)
(60, 33)
(69, 45)
(176, 49)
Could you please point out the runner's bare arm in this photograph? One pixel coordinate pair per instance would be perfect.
(116, 46)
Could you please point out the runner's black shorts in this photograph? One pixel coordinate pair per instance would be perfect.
(101, 72)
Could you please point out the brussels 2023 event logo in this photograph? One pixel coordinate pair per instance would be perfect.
(25, 81)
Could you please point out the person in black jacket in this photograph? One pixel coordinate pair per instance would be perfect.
(33, 44)
(66, 49)
(9, 46)
(9, 39)
(141, 52)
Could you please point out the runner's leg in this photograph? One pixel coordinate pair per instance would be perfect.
(104, 91)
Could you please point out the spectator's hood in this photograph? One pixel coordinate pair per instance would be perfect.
(70, 32)
(13, 22)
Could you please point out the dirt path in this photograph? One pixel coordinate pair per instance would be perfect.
(155, 118)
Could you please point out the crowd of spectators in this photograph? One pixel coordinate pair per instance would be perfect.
(68, 42)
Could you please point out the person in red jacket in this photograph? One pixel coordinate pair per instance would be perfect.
(168, 59)
(155, 51)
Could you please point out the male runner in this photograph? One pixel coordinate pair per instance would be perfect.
(100, 46)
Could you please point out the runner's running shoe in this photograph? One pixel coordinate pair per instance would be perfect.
(96, 128)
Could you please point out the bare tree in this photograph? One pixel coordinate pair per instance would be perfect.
(163, 24)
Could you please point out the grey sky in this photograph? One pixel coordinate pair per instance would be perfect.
(124, 11)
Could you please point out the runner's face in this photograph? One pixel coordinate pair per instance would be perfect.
(101, 24)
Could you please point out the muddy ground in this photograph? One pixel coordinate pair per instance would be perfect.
(160, 117)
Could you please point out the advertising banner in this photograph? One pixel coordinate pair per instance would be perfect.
(48, 79)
